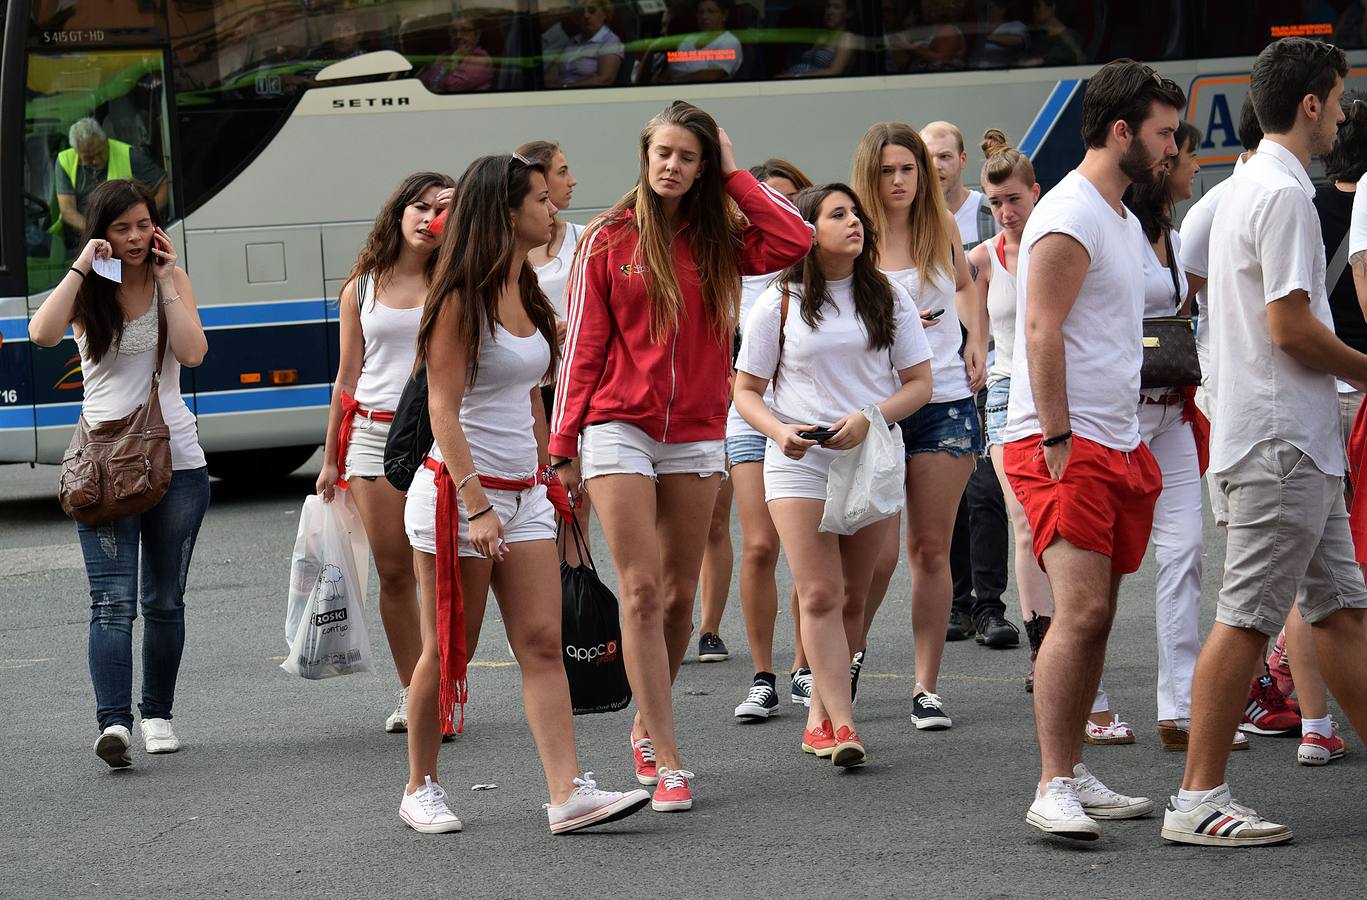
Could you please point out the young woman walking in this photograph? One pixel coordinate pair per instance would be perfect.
(118, 327)
(380, 308)
(478, 514)
(834, 336)
(640, 412)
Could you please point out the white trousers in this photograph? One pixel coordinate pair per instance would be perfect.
(1177, 548)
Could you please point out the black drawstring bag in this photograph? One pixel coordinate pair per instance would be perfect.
(410, 434)
(591, 633)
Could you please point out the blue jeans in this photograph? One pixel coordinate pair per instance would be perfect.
(167, 532)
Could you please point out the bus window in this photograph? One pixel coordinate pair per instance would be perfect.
(59, 23)
(89, 116)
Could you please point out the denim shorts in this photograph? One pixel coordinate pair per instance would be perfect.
(745, 448)
(998, 392)
(952, 427)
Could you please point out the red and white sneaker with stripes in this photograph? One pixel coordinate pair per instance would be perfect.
(1319, 750)
(673, 793)
(1220, 821)
(1267, 712)
(1279, 667)
(643, 752)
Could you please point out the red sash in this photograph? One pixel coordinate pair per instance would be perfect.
(349, 410)
(1357, 475)
(1200, 426)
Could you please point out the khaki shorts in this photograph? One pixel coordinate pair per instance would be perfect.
(1288, 539)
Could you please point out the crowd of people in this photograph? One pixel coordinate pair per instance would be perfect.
(725, 336)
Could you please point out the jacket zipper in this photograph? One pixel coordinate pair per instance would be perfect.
(673, 345)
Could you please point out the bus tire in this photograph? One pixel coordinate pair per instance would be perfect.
(271, 464)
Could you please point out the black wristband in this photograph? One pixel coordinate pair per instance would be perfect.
(486, 509)
(562, 464)
(77, 271)
(1057, 439)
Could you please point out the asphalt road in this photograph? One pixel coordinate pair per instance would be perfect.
(291, 788)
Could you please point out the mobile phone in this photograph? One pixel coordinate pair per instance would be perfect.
(820, 435)
(932, 316)
(160, 245)
(438, 225)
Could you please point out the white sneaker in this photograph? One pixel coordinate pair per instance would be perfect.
(398, 719)
(1220, 821)
(157, 736)
(1059, 811)
(425, 810)
(590, 806)
(1100, 802)
(1112, 732)
(112, 746)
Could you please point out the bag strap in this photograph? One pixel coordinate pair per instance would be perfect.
(1338, 264)
(161, 336)
(1172, 267)
(782, 323)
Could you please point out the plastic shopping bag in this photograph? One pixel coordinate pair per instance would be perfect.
(325, 620)
(868, 483)
(592, 636)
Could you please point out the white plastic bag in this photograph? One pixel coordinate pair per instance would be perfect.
(325, 619)
(868, 483)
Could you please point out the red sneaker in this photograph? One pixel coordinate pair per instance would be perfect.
(820, 740)
(848, 750)
(644, 752)
(1318, 750)
(1267, 712)
(1279, 667)
(673, 793)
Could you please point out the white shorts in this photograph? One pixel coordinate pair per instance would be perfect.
(365, 453)
(617, 448)
(526, 515)
(805, 477)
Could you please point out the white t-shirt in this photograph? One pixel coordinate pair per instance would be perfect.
(751, 286)
(390, 339)
(724, 52)
(967, 219)
(829, 371)
(1001, 312)
(554, 276)
(1270, 245)
(1195, 235)
(949, 372)
(1103, 333)
(581, 57)
(1357, 225)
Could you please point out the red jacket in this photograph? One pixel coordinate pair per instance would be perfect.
(677, 390)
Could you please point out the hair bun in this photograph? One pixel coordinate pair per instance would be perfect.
(994, 142)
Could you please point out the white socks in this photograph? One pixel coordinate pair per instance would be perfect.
(1189, 800)
(1323, 727)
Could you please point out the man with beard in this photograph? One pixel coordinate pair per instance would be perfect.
(1276, 448)
(1073, 455)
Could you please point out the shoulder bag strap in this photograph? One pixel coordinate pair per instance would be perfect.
(1172, 268)
(1338, 264)
(161, 336)
(782, 323)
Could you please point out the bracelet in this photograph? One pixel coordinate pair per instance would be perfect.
(460, 484)
(175, 299)
(77, 271)
(562, 464)
(486, 509)
(1057, 439)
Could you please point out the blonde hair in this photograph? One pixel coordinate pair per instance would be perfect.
(942, 127)
(932, 245)
(1003, 160)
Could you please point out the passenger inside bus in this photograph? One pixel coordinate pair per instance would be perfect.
(712, 54)
(592, 54)
(91, 159)
(466, 69)
(1005, 36)
(676, 20)
(833, 52)
(929, 37)
(1052, 41)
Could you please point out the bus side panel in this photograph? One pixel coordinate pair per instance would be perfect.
(16, 383)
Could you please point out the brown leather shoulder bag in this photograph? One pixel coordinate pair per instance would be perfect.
(119, 468)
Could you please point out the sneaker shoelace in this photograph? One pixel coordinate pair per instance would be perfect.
(759, 693)
(645, 747)
(402, 709)
(1095, 785)
(932, 700)
(673, 779)
(587, 787)
(432, 798)
(1064, 794)
(804, 681)
(711, 641)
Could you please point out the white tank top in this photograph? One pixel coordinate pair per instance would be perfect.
(391, 347)
(1001, 309)
(554, 276)
(948, 372)
(496, 412)
(119, 382)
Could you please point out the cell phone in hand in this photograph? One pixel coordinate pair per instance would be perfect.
(159, 244)
(820, 435)
(932, 316)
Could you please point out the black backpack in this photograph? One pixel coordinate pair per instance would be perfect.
(410, 434)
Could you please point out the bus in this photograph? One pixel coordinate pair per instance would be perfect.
(275, 128)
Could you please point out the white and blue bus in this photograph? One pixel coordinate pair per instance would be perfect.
(279, 126)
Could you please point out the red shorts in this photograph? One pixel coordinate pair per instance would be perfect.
(1103, 503)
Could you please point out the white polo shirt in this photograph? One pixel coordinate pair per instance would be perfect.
(1103, 334)
(1268, 246)
(1196, 228)
(1357, 225)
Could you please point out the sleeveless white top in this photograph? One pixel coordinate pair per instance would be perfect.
(496, 412)
(554, 276)
(1001, 310)
(948, 371)
(391, 347)
(119, 382)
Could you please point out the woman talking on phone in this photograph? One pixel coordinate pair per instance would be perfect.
(640, 410)
(835, 336)
(380, 308)
(118, 327)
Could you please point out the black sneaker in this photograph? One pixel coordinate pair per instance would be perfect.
(855, 665)
(711, 649)
(995, 632)
(761, 702)
(960, 625)
(928, 712)
(801, 690)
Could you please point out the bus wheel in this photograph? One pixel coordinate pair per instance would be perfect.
(258, 465)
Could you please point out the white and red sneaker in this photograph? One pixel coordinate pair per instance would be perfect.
(1112, 732)
(1267, 711)
(673, 793)
(1318, 750)
(590, 806)
(643, 750)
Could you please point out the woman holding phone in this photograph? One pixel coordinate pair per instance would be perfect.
(118, 327)
(380, 307)
(834, 335)
(640, 411)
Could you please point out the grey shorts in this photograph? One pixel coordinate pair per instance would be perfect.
(1288, 539)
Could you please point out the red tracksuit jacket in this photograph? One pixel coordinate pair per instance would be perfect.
(613, 371)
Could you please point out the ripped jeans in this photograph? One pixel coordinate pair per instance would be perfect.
(167, 533)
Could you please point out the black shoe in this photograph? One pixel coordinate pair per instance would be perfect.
(711, 648)
(928, 712)
(960, 625)
(761, 702)
(855, 665)
(994, 631)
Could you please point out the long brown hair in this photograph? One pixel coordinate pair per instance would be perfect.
(932, 246)
(380, 252)
(774, 167)
(715, 229)
(478, 253)
(97, 308)
(873, 298)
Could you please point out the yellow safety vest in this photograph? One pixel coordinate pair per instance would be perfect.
(120, 167)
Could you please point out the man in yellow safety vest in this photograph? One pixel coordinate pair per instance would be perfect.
(92, 159)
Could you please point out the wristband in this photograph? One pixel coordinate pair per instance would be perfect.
(460, 484)
(1057, 439)
(77, 271)
(486, 509)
